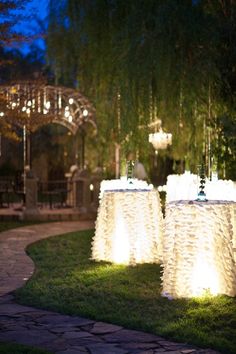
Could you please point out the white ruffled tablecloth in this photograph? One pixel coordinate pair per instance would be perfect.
(129, 227)
(198, 248)
(186, 187)
(122, 184)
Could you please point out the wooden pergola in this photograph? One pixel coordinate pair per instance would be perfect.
(30, 105)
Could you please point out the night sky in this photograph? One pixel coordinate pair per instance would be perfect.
(38, 10)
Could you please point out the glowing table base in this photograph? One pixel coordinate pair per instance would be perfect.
(198, 245)
(128, 227)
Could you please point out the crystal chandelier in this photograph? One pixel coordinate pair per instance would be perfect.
(160, 140)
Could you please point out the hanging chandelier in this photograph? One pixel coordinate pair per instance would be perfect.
(160, 140)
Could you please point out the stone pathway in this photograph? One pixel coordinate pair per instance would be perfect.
(62, 334)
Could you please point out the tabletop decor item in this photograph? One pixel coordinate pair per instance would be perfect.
(130, 170)
(201, 194)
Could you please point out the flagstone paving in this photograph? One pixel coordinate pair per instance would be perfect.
(63, 334)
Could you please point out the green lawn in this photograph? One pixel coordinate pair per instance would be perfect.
(8, 225)
(67, 281)
(8, 348)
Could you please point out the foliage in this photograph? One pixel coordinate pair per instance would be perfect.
(68, 281)
(146, 59)
(57, 148)
(6, 129)
(13, 64)
(226, 148)
(9, 16)
(8, 225)
(6, 348)
(17, 66)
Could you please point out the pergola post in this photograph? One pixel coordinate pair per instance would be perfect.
(83, 148)
(76, 149)
(28, 153)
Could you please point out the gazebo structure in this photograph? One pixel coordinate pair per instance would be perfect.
(30, 105)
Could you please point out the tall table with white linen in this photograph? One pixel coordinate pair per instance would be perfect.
(129, 227)
(186, 187)
(198, 248)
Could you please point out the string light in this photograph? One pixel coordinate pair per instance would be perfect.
(36, 99)
(48, 104)
(85, 112)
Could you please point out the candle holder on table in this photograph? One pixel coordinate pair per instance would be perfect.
(130, 171)
(201, 194)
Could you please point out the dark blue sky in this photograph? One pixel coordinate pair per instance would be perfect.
(38, 11)
(40, 7)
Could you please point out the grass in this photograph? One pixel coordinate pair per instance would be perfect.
(8, 225)
(67, 281)
(8, 348)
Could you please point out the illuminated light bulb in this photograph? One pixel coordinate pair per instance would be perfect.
(67, 108)
(70, 118)
(24, 109)
(28, 111)
(47, 104)
(13, 90)
(67, 114)
(91, 187)
(29, 103)
(71, 101)
(85, 112)
(45, 111)
(13, 104)
(1, 114)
